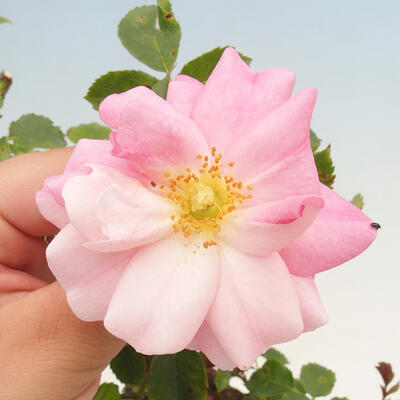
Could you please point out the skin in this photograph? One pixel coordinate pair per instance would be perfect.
(45, 351)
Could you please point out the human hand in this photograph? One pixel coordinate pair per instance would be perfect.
(46, 352)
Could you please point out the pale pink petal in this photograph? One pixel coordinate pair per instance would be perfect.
(340, 232)
(51, 210)
(90, 151)
(206, 342)
(132, 216)
(164, 295)
(282, 133)
(269, 227)
(82, 193)
(89, 278)
(53, 185)
(256, 306)
(183, 94)
(312, 310)
(157, 139)
(295, 175)
(235, 97)
(110, 108)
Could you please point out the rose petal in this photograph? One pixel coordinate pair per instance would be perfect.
(256, 306)
(206, 342)
(269, 227)
(183, 93)
(282, 133)
(295, 175)
(89, 278)
(132, 216)
(51, 210)
(163, 296)
(312, 310)
(110, 108)
(235, 97)
(340, 232)
(157, 139)
(90, 151)
(81, 194)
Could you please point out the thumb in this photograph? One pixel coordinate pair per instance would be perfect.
(48, 352)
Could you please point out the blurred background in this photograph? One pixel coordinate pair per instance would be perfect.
(349, 50)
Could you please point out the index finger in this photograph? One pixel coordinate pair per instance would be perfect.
(20, 178)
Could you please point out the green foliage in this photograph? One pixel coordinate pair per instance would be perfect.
(5, 150)
(161, 87)
(129, 366)
(117, 82)
(155, 47)
(317, 380)
(271, 380)
(339, 398)
(201, 67)
(293, 395)
(88, 131)
(33, 131)
(179, 376)
(358, 201)
(324, 163)
(5, 83)
(298, 385)
(222, 380)
(315, 141)
(107, 391)
(4, 20)
(273, 354)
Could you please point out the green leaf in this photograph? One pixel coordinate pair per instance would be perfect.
(358, 200)
(89, 131)
(180, 376)
(5, 150)
(325, 167)
(161, 87)
(251, 397)
(222, 379)
(274, 354)
(5, 83)
(107, 391)
(129, 366)
(294, 395)
(4, 20)
(314, 140)
(317, 380)
(35, 131)
(201, 67)
(155, 47)
(299, 386)
(272, 379)
(117, 82)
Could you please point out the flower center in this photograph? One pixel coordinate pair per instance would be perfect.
(204, 203)
(204, 197)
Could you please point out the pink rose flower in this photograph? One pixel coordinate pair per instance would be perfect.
(202, 222)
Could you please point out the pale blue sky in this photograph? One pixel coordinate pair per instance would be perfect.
(349, 50)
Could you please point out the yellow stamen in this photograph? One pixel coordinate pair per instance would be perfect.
(204, 197)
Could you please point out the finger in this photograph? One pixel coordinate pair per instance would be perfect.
(21, 251)
(64, 354)
(21, 224)
(21, 178)
(12, 280)
(89, 393)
